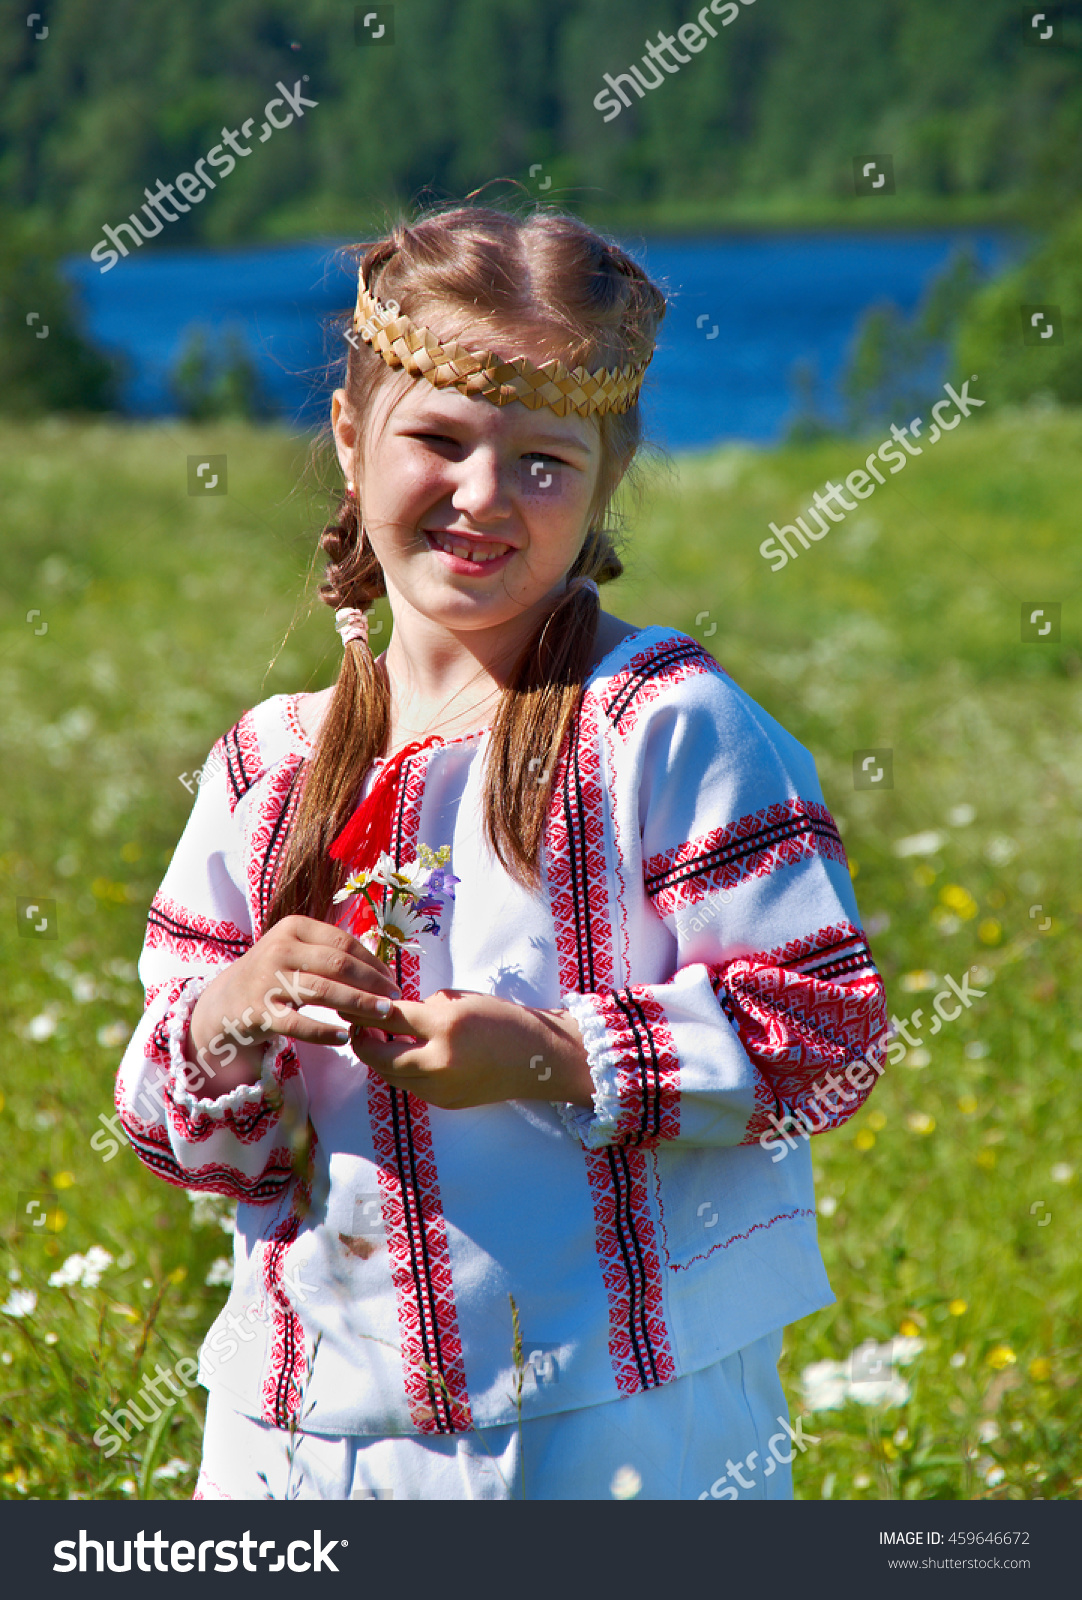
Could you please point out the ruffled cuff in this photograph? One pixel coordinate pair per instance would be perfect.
(598, 1126)
(245, 1097)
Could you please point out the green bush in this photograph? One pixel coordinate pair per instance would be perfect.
(990, 339)
(46, 362)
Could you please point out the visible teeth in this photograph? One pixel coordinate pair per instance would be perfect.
(467, 552)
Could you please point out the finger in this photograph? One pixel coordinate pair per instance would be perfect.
(309, 1030)
(311, 988)
(392, 1058)
(311, 932)
(337, 965)
(405, 1016)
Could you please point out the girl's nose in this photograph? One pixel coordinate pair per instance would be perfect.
(485, 486)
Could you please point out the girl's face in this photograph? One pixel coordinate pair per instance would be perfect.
(476, 512)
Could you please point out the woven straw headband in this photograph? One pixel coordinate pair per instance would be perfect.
(419, 352)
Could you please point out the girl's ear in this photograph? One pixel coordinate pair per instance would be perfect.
(345, 432)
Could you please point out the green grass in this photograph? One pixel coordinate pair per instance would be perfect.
(900, 629)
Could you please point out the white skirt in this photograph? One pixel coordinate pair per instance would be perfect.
(721, 1433)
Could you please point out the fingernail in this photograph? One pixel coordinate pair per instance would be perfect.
(341, 1038)
(382, 1007)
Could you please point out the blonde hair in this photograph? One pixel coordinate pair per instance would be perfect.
(493, 272)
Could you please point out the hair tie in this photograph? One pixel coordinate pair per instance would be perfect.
(583, 583)
(350, 624)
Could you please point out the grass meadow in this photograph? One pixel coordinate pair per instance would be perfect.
(136, 623)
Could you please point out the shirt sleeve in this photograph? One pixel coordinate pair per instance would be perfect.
(242, 1143)
(774, 1014)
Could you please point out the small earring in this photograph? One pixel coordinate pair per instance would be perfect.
(351, 488)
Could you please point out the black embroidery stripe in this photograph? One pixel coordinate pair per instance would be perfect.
(218, 1180)
(282, 823)
(739, 849)
(285, 1376)
(649, 1070)
(630, 1249)
(409, 1185)
(577, 850)
(184, 930)
(843, 967)
(240, 780)
(634, 1267)
(623, 699)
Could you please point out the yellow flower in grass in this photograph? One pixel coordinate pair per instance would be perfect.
(908, 1328)
(990, 931)
(920, 1122)
(865, 1139)
(958, 1308)
(986, 1159)
(64, 1180)
(959, 900)
(1040, 1368)
(967, 1104)
(1000, 1356)
(876, 1121)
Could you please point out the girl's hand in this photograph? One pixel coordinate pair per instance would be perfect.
(464, 1049)
(299, 962)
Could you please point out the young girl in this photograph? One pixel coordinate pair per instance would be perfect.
(524, 1207)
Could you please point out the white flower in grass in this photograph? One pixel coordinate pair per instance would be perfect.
(221, 1271)
(20, 1303)
(1062, 1172)
(994, 1476)
(83, 1272)
(823, 1384)
(41, 1027)
(171, 1469)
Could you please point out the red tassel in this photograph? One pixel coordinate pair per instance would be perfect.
(368, 832)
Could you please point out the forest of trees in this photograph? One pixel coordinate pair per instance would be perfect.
(765, 118)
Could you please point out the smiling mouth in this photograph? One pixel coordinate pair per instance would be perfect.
(480, 550)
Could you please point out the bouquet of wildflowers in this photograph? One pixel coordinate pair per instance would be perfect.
(396, 903)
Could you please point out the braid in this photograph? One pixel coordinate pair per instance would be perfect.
(353, 576)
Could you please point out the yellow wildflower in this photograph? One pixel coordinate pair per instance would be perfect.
(908, 1328)
(989, 931)
(1000, 1356)
(1040, 1368)
(960, 901)
(865, 1139)
(958, 1308)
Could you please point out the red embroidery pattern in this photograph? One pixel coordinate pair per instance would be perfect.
(803, 1011)
(434, 1373)
(649, 674)
(275, 811)
(624, 1232)
(283, 1381)
(248, 1125)
(751, 847)
(648, 1074)
(192, 937)
(574, 857)
(243, 758)
(150, 1141)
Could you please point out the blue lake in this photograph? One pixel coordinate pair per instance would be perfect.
(745, 309)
